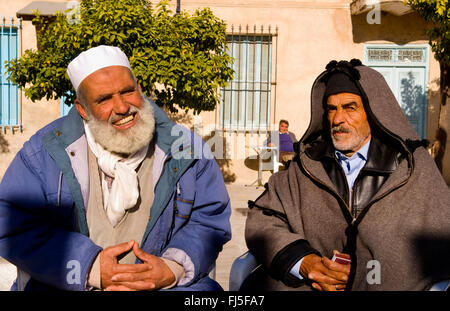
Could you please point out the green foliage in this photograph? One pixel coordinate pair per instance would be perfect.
(179, 58)
(438, 13)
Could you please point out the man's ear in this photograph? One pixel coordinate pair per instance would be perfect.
(81, 110)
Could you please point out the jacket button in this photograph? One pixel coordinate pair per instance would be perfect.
(58, 133)
(175, 169)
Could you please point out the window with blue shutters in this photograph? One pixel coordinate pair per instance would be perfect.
(10, 108)
(246, 101)
(405, 69)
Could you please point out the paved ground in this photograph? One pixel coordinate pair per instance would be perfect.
(239, 195)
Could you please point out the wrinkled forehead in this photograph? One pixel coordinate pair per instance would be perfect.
(344, 98)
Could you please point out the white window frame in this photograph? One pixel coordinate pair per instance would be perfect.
(402, 64)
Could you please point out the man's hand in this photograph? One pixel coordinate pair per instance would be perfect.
(325, 275)
(152, 274)
(108, 262)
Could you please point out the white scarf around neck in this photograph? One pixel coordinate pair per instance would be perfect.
(124, 191)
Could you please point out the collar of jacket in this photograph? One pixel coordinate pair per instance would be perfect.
(71, 129)
(380, 159)
(319, 162)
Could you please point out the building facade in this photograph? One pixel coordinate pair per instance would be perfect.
(279, 47)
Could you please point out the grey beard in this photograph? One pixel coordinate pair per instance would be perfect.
(130, 140)
(356, 140)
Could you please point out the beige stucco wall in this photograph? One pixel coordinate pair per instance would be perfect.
(310, 34)
(34, 115)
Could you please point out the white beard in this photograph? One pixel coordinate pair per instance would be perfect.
(129, 141)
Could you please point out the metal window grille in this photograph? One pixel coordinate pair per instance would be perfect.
(400, 55)
(10, 99)
(413, 55)
(379, 55)
(246, 101)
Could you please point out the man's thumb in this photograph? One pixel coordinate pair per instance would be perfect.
(121, 248)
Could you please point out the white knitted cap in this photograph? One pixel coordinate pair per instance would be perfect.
(94, 59)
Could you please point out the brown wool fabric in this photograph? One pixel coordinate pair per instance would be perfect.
(407, 225)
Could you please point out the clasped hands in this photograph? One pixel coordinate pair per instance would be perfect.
(152, 274)
(325, 274)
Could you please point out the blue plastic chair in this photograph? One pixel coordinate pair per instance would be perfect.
(240, 269)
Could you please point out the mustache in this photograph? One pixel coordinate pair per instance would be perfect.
(116, 117)
(340, 128)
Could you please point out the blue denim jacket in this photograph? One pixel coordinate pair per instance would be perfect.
(43, 200)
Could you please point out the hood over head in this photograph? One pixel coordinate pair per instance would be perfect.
(385, 116)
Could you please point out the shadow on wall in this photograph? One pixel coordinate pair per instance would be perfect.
(180, 118)
(218, 144)
(438, 148)
(397, 29)
(186, 119)
(225, 168)
(4, 145)
(438, 135)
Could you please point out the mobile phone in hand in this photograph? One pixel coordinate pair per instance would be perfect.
(343, 259)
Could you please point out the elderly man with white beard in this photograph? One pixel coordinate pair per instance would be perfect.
(99, 199)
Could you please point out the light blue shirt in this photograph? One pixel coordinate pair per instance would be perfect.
(354, 164)
(351, 166)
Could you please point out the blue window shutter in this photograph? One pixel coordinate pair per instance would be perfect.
(9, 92)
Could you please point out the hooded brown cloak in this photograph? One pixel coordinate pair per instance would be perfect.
(402, 223)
